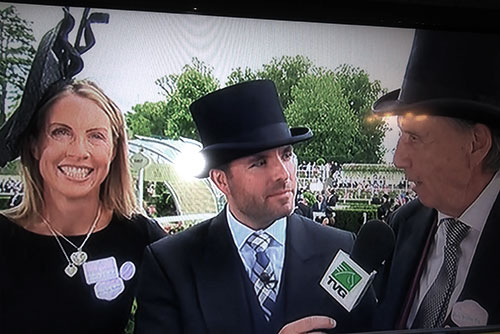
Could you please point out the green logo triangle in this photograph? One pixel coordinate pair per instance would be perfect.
(346, 276)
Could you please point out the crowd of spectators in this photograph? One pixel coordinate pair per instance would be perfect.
(13, 188)
(331, 186)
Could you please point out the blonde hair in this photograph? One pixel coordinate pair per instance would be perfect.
(116, 191)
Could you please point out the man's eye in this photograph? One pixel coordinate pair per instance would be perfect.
(287, 155)
(258, 163)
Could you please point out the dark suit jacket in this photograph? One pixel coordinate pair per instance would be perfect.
(319, 207)
(412, 225)
(304, 210)
(191, 282)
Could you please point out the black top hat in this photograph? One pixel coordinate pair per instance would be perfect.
(449, 73)
(241, 120)
(56, 62)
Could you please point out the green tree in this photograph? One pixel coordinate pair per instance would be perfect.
(147, 119)
(171, 118)
(319, 104)
(16, 56)
(285, 72)
(360, 94)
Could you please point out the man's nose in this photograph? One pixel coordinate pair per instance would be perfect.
(401, 157)
(281, 169)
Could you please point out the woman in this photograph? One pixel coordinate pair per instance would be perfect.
(70, 252)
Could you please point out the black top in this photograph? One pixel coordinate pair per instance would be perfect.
(36, 296)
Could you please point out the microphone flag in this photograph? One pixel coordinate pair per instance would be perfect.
(346, 281)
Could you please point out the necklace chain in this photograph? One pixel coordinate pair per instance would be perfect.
(79, 257)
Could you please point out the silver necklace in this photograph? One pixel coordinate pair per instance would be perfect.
(78, 257)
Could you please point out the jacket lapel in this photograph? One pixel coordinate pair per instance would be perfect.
(482, 281)
(218, 273)
(301, 272)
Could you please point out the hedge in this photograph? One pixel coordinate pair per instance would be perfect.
(4, 202)
(351, 218)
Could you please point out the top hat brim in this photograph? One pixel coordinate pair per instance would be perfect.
(470, 110)
(220, 154)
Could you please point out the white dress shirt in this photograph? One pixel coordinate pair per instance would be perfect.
(475, 217)
(275, 251)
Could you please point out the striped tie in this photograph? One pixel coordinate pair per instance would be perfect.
(262, 273)
(432, 312)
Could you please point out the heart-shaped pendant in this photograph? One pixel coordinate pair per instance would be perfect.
(79, 257)
(70, 270)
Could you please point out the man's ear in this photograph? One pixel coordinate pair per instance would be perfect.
(481, 143)
(219, 178)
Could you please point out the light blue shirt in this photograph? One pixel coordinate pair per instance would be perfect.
(275, 251)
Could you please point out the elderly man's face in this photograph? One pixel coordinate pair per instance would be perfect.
(435, 154)
(261, 187)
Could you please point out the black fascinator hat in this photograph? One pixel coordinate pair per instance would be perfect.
(56, 63)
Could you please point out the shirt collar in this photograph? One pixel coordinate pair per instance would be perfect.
(241, 232)
(477, 213)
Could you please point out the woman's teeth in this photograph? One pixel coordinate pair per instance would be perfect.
(76, 172)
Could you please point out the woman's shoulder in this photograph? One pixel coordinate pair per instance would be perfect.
(5, 223)
(144, 225)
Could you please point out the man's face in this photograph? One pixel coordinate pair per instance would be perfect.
(435, 154)
(261, 187)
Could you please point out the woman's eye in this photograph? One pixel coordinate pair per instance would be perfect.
(60, 132)
(97, 135)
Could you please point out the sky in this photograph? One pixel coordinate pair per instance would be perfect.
(135, 48)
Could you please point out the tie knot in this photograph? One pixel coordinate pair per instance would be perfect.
(455, 231)
(259, 241)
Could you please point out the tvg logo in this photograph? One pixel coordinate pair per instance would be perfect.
(343, 279)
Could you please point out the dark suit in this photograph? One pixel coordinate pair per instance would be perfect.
(319, 207)
(304, 210)
(413, 225)
(195, 282)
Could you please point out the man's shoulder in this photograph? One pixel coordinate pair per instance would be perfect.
(412, 215)
(187, 239)
(320, 232)
(410, 209)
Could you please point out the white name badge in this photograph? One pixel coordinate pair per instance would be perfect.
(110, 289)
(469, 313)
(100, 270)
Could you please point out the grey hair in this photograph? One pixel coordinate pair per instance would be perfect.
(492, 159)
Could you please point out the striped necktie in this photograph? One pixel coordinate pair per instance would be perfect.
(432, 312)
(262, 273)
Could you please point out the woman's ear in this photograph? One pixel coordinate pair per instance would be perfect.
(35, 148)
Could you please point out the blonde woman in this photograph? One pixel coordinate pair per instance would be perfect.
(69, 253)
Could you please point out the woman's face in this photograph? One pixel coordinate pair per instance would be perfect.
(75, 149)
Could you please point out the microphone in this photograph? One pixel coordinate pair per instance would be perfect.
(348, 277)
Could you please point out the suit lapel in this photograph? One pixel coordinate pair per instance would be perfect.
(299, 271)
(218, 273)
(482, 280)
(411, 239)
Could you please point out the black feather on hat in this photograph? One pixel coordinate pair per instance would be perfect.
(56, 63)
